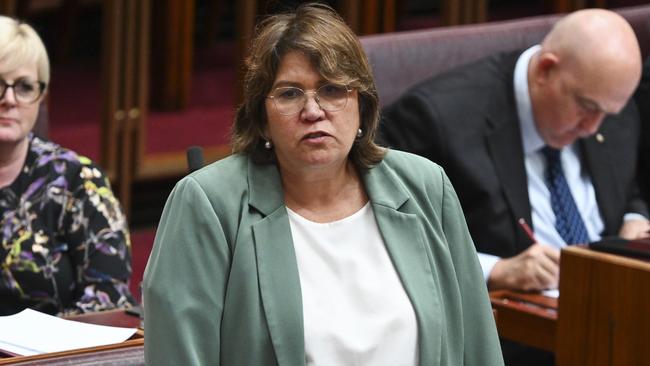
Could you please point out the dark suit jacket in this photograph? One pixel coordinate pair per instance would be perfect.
(642, 98)
(466, 121)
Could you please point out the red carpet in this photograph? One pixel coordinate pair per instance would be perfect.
(75, 107)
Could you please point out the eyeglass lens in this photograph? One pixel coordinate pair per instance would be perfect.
(291, 100)
(25, 91)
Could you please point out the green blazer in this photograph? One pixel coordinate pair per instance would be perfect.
(222, 286)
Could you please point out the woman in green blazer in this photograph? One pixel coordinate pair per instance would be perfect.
(311, 244)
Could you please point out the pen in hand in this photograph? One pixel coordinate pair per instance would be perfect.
(544, 252)
(524, 225)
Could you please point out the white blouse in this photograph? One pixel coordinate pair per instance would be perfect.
(355, 309)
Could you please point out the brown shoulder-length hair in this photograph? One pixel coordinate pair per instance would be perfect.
(317, 31)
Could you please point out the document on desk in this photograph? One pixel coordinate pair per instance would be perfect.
(31, 332)
(551, 293)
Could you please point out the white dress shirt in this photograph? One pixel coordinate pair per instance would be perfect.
(355, 309)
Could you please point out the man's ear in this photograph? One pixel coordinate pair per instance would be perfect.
(546, 64)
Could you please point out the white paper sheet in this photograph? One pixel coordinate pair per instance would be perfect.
(31, 332)
(551, 293)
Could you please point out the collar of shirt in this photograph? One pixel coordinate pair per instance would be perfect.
(530, 138)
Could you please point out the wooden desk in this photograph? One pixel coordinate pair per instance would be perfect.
(601, 319)
(114, 318)
(604, 317)
(130, 352)
(526, 318)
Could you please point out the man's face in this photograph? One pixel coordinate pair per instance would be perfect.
(573, 105)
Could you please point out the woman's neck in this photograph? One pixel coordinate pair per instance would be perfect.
(324, 196)
(12, 159)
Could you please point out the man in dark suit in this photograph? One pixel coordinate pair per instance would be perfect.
(496, 124)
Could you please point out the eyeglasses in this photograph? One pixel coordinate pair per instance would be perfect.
(25, 91)
(290, 100)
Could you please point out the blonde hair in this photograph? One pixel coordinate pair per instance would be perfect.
(317, 31)
(20, 45)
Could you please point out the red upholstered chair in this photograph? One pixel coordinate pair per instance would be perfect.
(400, 60)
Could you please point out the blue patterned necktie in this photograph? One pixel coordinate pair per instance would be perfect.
(568, 221)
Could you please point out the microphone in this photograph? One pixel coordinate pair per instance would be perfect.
(194, 158)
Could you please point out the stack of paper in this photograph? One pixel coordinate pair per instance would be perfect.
(31, 332)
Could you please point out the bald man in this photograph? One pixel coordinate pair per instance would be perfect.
(502, 126)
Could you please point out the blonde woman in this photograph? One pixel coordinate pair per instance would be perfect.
(65, 244)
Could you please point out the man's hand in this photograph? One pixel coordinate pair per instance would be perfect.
(537, 268)
(635, 229)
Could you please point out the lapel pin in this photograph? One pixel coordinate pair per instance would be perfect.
(600, 138)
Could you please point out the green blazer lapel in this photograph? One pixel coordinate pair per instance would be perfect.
(276, 265)
(403, 235)
(265, 188)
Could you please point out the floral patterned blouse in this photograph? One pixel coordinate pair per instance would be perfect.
(65, 243)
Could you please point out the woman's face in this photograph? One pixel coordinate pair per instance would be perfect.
(17, 119)
(311, 138)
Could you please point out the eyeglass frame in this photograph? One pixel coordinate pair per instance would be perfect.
(314, 92)
(41, 88)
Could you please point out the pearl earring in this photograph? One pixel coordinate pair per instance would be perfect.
(359, 133)
(268, 145)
